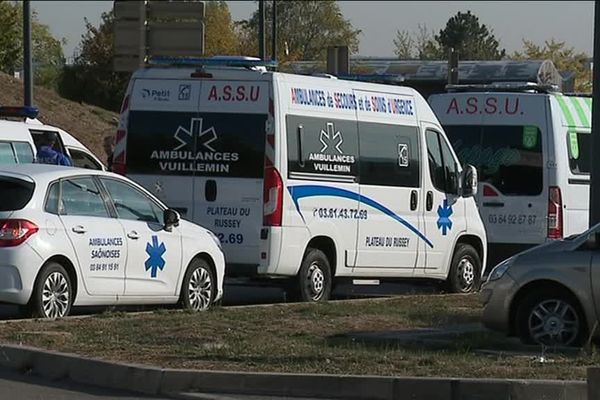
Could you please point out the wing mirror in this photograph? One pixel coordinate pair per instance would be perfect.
(171, 218)
(468, 181)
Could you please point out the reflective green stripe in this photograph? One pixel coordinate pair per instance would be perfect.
(583, 118)
(565, 110)
(588, 101)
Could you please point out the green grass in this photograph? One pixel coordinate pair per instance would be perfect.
(304, 338)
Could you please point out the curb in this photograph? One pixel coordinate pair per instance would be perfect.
(183, 383)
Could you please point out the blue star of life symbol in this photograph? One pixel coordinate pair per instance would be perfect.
(444, 223)
(155, 259)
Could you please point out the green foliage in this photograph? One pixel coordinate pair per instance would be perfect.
(304, 30)
(564, 57)
(472, 40)
(47, 54)
(91, 79)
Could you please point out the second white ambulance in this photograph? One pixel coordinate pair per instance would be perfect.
(309, 178)
(531, 146)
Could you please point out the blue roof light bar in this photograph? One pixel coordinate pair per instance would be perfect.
(19, 112)
(215, 61)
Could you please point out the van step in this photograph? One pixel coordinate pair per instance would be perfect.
(365, 282)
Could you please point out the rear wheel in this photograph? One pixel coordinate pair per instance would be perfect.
(552, 318)
(52, 293)
(314, 278)
(199, 288)
(465, 270)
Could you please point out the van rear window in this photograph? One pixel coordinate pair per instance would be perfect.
(16, 193)
(507, 156)
(191, 144)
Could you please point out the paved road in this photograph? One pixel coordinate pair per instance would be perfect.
(245, 295)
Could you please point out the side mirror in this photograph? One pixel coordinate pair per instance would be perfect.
(468, 181)
(171, 218)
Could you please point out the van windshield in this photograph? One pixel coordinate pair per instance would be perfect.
(507, 157)
(206, 144)
(16, 193)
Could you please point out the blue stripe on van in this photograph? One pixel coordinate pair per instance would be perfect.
(299, 192)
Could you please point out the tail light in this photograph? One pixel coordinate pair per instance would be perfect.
(272, 197)
(555, 213)
(13, 232)
(118, 163)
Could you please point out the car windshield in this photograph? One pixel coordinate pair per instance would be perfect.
(16, 193)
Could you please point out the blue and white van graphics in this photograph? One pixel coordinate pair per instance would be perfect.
(309, 178)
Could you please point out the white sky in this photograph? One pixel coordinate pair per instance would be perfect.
(511, 21)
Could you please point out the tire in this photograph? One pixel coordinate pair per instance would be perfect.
(551, 317)
(52, 293)
(465, 271)
(199, 286)
(314, 278)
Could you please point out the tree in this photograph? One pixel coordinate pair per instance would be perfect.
(47, 54)
(564, 57)
(219, 31)
(91, 79)
(414, 45)
(464, 33)
(304, 30)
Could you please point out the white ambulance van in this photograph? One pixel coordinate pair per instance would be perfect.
(309, 178)
(530, 145)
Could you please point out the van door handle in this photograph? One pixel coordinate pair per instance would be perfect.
(79, 229)
(414, 200)
(133, 235)
(210, 190)
(429, 201)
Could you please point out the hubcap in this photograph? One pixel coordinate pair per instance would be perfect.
(466, 274)
(553, 322)
(316, 281)
(200, 289)
(55, 295)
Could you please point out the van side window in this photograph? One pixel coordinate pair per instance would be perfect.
(442, 167)
(579, 144)
(389, 155)
(24, 152)
(322, 146)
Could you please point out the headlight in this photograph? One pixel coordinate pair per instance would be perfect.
(215, 238)
(500, 269)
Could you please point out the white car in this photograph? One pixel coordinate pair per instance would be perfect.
(75, 237)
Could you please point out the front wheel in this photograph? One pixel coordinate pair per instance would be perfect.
(199, 288)
(314, 278)
(465, 270)
(52, 293)
(552, 318)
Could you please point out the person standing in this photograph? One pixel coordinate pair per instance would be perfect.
(109, 148)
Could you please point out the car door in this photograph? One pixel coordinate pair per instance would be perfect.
(444, 209)
(154, 254)
(97, 238)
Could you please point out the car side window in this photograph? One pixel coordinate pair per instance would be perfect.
(81, 196)
(132, 204)
(7, 156)
(51, 205)
(24, 152)
(83, 160)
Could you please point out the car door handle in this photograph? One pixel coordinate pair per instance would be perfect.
(79, 229)
(493, 204)
(133, 235)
